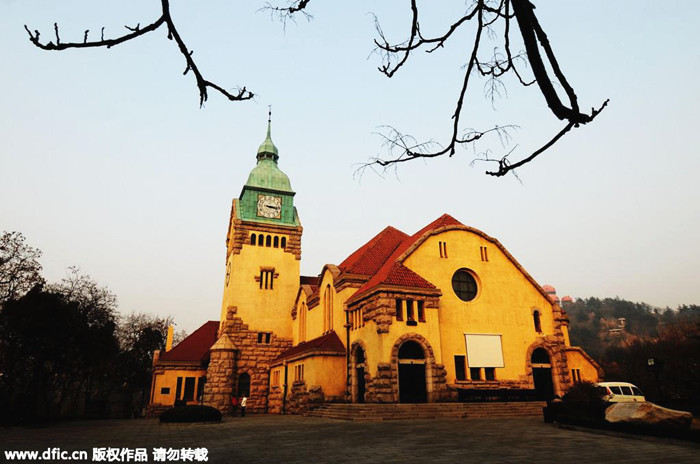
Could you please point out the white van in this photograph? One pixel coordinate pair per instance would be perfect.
(620, 392)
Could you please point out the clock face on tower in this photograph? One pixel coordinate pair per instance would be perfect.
(269, 206)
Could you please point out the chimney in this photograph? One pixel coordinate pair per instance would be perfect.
(169, 340)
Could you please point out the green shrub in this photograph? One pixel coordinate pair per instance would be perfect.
(193, 413)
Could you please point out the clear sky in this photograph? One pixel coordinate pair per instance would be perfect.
(108, 163)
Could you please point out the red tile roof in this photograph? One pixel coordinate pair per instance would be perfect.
(195, 347)
(392, 272)
(308, 280)
(372, 255)
(328, 343)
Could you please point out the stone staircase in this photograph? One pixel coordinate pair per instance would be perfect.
(379, 412)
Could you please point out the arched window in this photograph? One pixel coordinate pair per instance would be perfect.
(536, 320)
(268, 241)
(411, 350)
(328, 309)
(284, 242)
(540, 356)
(276, 242)
(244, 384)
(302, 322)
(252, 239)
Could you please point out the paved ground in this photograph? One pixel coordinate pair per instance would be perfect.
(294, 439)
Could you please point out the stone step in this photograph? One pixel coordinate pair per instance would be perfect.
(376, 412)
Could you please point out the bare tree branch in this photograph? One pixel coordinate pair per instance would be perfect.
(487, 14)
(173, 34)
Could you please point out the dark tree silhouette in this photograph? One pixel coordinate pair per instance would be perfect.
(493, 18)
(19, 266)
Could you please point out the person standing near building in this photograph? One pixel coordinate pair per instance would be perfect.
(234, 405)
(244, 400)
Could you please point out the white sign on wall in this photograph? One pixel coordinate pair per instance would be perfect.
(484, 350)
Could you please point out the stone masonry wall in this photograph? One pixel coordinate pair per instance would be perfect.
(252, 358)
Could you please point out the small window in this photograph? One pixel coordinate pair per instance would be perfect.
(490, 373)
(576, 375)
(460, 369)
(165, 391)
(200, 387)
(484, 253)
(264, 338)
(284, 242)
(267, 277)
(421, 311)
(299, 373)
(189, 389)
(616, 390)
(475, 373)
(409, 311)
(399, 310)
(443, 249)
(626, 390)
(464, 285)
(252, 239)
(268, 241)
(276, 242)
(536, 320)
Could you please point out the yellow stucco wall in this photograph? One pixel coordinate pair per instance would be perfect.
(326, 371)
(315, 325)
(504, 303)
(587, 371)
(262, 309)
(168, 379)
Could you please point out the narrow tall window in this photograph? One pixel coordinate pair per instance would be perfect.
(490, 373)
(268, 241)
(284, 242)
(302, 322)
(484, 253)
(443, 249)
(421, 311)
(399, 310)
(276, 242)
(475, 373)
(409, 311)
(266, 279)
(460, 368)
(327, 309)
(252, 239)
(536, 320)
(189, 389)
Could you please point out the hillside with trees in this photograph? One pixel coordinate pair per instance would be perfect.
(657, 349)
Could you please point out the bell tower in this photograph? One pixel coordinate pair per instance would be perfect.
(263, 248)
(263, 253)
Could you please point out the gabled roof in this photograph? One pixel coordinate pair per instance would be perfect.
(194, 348)
(372, 255)
(392, 272)
(325, 344)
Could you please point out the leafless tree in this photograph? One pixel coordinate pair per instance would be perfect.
(19, 266)
(494, 19)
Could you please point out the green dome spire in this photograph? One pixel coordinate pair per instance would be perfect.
(266, 174)
(268, 149)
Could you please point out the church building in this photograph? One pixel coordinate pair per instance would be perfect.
(444, 314)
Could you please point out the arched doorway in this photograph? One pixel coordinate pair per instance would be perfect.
(412, 386)
(542, 374)
(358, 392)
(243, 385)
